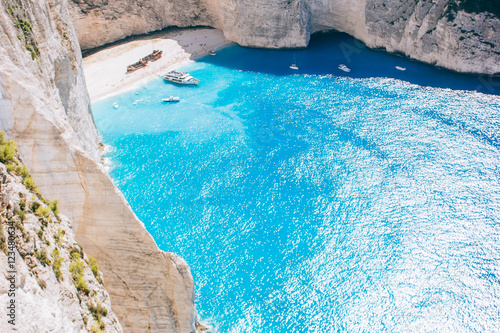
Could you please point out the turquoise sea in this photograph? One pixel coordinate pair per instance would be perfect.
(318, 200)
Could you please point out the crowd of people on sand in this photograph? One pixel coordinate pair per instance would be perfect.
(155, 55)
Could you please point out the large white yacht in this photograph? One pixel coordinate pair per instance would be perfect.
(180, 77)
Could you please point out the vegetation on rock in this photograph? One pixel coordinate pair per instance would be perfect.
(22, 23)
(44, 245)
(56, 266)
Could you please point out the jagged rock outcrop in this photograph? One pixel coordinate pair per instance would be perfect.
(48, 283)
(462, 35)
(45, 108)
(435, 32)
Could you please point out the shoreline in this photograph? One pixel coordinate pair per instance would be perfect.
(105, 69)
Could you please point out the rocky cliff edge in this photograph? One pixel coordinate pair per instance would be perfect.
(461, 35)
(45, 108)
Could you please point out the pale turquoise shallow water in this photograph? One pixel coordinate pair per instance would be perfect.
(320, 201)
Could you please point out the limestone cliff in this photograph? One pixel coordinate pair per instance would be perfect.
(44, 106)
(462, 35)
(48, 283)
(438, 32)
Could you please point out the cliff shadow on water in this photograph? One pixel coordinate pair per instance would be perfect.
(326, 51)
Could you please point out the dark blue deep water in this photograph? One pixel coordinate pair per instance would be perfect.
(317, 200)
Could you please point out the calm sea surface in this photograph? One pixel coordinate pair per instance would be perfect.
(318, 200)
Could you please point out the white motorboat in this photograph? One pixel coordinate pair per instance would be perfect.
(180, 78)
(400, 68)
(115, 105)
(212, 53)
(344, 68)
(171, 99)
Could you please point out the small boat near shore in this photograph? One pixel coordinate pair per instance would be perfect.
(212, 53)
(171, 99)
(115, 105)
(400, 68)
(180, 78)
(344, 68)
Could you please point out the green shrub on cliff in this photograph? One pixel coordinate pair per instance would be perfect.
(58, 237)
(98, 311)
(53, 207)
(26, 35)
(76, 268)
(2, 138)
(30, 184)
(8, 149)
(34, 206)
(22, 215)
(22, 171)
(29, 43)
(43, 212)
(56, 266)
(94, 267)
(42, 257)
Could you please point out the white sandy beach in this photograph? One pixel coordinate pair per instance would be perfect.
(105, 70)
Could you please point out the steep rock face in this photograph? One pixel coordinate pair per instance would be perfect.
(101, 22)
(44, 106)
(434, 32)
(450, 33)
(272, 24)
(55, 287)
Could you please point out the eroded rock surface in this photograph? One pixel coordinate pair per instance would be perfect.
(462, 35)
(52, 284)
(45, 108)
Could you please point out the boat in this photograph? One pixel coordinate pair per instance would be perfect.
(294, 65)
(400, 68)
(212, 53)
(153, 56)
(138, 65)
(171, 99)
(344, 68)
(115, 105)
(180, 78)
